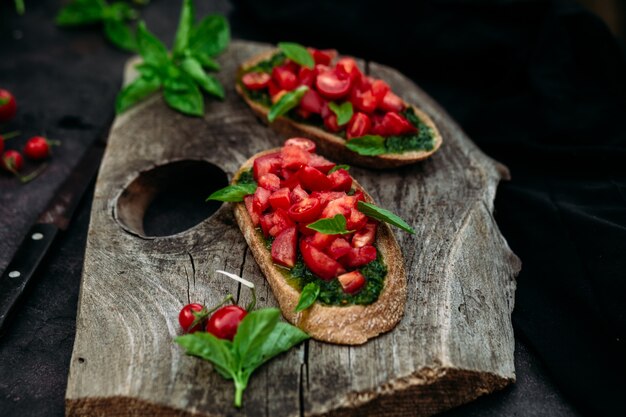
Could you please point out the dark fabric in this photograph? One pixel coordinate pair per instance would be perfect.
(541, 87)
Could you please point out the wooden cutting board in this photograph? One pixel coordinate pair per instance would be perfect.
(454, 343)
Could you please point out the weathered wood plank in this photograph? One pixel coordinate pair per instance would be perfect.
(454, 343)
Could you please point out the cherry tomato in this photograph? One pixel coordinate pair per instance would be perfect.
(341, 180)
(37, 148)
(394, 124)
(351, 282)
(356, 220)
(306, 210)
(8, 106)
(360, 124)
(349, 68)
(306, 76)
(313, 179)
(333, 84)
(12, 161)
(331, 123)
(302, 143)
(358, 257)
(224, 322)
(298, 194)
(323, 57)
(319, 263)
(391, 102)
(312, 102)
(256, 80)
(284, 247)
(380, 89)
(363, 100)
(365, 236)
(284, 77)
(186, 317)
(341, 205)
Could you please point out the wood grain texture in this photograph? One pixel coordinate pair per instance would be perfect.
(454, 343)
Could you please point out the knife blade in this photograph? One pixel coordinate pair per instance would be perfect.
(55, 218)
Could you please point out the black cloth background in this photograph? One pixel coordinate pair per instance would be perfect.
(540, 86)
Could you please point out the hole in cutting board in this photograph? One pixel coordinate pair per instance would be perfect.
(170, 198)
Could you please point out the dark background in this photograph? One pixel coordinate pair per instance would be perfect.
(538, 85)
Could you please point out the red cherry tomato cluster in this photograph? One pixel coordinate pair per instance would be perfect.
(222, 323)
(294, 190)
(36, 148)
(376, 108)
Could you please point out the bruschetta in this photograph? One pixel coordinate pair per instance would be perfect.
(340, 282)
(352, 117)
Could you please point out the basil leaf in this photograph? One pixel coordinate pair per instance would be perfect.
(208, 82)
(206, 61)
(233, 193)
(134, 92)
(297, 53)
(282, 338)
(19, 7)
(80, 13)
(309, 294)
(332, 226)
(185, 26)
(370, 145)
(338, 167)
(119, 11)
(287, 102)
(150, 48)
(344, 111)
(120, 34)
(206, 346)
(252, 334)
(184, 96)
(147, 71)
(211, 36)
(375, 212)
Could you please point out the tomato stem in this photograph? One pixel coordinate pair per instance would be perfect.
(252, 303)
(28, 178)
(10, 135)
(228, 298)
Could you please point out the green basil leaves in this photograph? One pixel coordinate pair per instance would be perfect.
(287, 102)
(309, 294)
(297, 53)
(375, 212)
(333, 226)
(343, 111)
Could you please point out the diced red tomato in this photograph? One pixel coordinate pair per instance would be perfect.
(256, 80)
(280, 199)
(285, 77)
(363, 100)
(338, 248)
(340, 180)
(319, 263)
(331, 123)
(394, 124)
(358, 196)
(358, 257)
(320, 69)
(274, 223)
(343, 205)
(379, 90)
(305, 114)
(273, 89)
(306, 76)
(349, 68)
(254, 215)
(313, 179)
(270, 163)
(284, 247)
(356, 220)
(326, 111)
(321, 163)
(391, 102)
(326, 196)
(305, 231)
(323, 57)
(365, 236)
(360, 125)
(333, 85)
(294, 157)
(303, 143)
(298, 194)
(270, 181)
(321, 240)
(312, 102)
(261, 200)
(351, 282)
(306, 210)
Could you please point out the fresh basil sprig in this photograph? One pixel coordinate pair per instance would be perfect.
(260, 337)
(19, 7)
(297, 53)
(375, 212)
(182, 73)
(333, 226)
(309, 294)
(338, 167)
(369, 145)
(114, 18)
(233, 193)
(343, 111)
(287, 102)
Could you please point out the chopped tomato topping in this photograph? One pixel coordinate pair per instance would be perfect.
(261, 199)
(254, 215)
(302, 143)
(331, 123)
(338, 248)
(294, 157)
(319, 263)
(274, 223)
(323, 57)
(306, 210)
(313, 179)
(358, 257)
(270, 182)
(333, 84)
(256, 80)
(312, 102)
(321, 163)
(285, 246)
(351, 282)
(280, 199)
(321, 240)
(359, 125)
(340, 180)
(265, 164)
(365, 236)
(306, 76)
(298, 194)
(285, 77)
(391, 102)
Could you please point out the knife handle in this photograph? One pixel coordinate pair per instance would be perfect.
(22, 267)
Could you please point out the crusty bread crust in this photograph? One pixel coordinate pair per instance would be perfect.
(331, 145)
(350, 325)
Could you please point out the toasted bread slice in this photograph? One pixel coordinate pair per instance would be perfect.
(349, 325)
(329, 144)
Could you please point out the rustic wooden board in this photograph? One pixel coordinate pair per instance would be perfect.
(454, 343)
